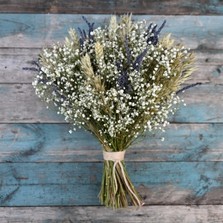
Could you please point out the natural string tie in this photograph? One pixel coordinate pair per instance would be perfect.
(117, 158)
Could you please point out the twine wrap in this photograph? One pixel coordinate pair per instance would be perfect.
(117, 158)
(114, 156)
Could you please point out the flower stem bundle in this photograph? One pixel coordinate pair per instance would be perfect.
(117, 82)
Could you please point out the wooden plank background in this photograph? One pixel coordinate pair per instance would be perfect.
(49, 175)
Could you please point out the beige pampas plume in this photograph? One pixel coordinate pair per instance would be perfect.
(72, 40)
(99, 52)
(86, 66)
(112, 27)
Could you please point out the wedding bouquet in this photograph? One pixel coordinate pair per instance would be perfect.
(117, 82)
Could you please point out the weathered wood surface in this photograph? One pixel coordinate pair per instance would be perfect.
(207, 7)
(34, 30)
(52, 143)
(151, 214)
(42, 164)
(40, 184)
(20, 104)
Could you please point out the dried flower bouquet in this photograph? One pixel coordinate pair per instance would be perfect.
(117, 82)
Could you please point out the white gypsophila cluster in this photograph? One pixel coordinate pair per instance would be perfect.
(115, 80)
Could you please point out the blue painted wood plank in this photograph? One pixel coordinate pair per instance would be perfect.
(20, 104)
(35, 30)
(37, 184)
(53, 143)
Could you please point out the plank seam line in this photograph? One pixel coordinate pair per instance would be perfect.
(101, 162)
(63, 122)
(100, 206)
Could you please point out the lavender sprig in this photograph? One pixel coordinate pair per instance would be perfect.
(128, 52)
(33, 62)
(187, 87)
(136, 65)
(153, 36)
(83, 33)
(124, 83)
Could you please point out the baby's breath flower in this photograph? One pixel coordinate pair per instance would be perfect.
(116, 81)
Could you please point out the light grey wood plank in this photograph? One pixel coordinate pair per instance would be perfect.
(151, 214)
(209, 66)
(12, 61)
(20, 104)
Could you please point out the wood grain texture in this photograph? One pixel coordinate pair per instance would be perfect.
(35, 30)
(15, 102)
(41, 184)
(50, 143)
(165, 7)
(152, 214)
(209, 66)
(41, 164)
(20, 104)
